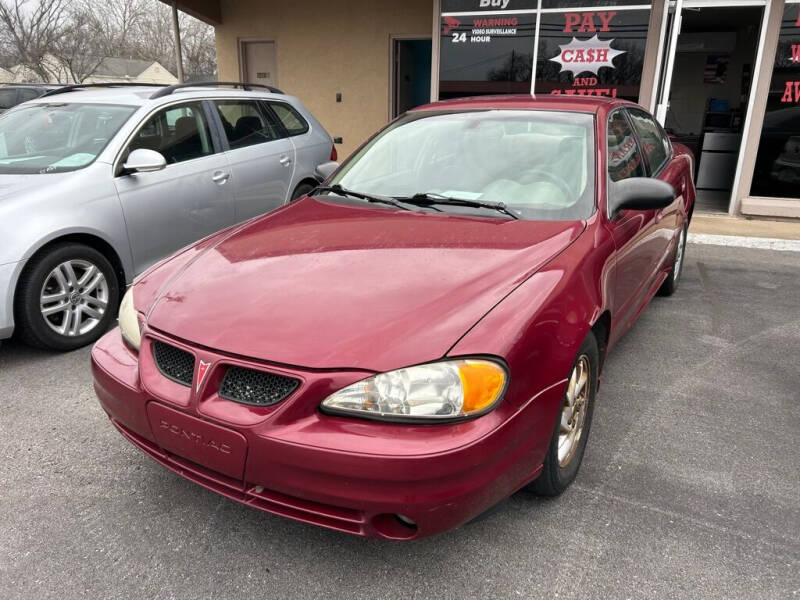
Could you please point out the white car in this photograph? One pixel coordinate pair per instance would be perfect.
(99, 182)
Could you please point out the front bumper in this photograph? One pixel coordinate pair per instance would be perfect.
(346, 474)
(8, 278)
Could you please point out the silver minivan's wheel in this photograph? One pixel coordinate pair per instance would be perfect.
(74, 298)
(67, 297)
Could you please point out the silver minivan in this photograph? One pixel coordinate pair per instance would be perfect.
(98, 183)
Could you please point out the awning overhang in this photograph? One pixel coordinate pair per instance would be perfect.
(206, 10)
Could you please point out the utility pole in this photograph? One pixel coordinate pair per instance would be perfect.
(176, 30)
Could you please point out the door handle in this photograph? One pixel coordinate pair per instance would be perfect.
(220, 177)
(285, 161)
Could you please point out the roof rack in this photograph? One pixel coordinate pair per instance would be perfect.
(81, 86)
(31, 84)
(247, 87)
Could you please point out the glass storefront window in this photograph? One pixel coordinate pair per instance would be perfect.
(487, 47)
(594, 53)
(777, 171)
(486, 53)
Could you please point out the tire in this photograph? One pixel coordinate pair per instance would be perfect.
(558, 473)
(83, 298)
(301, 190)
(671, 282)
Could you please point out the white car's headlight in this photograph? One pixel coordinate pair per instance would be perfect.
(129, 321)
(443, 390)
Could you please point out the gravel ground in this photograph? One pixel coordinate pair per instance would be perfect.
(689, 488)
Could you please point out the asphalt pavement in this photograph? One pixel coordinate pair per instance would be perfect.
(689, 488)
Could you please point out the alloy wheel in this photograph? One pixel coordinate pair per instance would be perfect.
(573, 413)
(74, 298)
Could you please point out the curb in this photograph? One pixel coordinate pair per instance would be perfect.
(740, 241)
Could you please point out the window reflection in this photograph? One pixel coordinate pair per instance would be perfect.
(777, 171)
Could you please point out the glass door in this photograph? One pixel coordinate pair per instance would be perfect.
(710, 52)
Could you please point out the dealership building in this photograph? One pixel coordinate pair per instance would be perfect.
(723, 76)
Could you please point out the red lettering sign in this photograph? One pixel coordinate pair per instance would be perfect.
(585, 56)
(791, 93)
(587, 92)
(508, 22)
(795, 52)
(585, 22)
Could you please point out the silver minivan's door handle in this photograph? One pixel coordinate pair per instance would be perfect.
(285, 161)
(220, 177)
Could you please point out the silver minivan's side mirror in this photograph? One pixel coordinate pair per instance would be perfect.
(639, 193)
(143, 160)
(325, 170)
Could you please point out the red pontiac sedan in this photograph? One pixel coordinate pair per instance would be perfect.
(422, 336)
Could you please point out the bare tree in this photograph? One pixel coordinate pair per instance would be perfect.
(66, 40)
(31, 30)
(77, 48)
(115, 27)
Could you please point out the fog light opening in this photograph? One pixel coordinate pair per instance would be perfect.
(406, 521)
(395, 526)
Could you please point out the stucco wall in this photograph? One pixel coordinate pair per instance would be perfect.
(325, 47)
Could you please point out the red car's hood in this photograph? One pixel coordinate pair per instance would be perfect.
(332, 286)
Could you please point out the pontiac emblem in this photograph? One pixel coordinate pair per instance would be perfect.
(589, 55)
(202, 369)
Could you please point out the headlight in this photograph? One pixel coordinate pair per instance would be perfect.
(443, 390)
(129, 321)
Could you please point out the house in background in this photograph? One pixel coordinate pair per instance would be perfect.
(109, 70)
(115, 70)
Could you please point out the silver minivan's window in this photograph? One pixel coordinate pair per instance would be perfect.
(57, 137)
(539, 164)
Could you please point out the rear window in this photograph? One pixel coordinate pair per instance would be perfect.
(7, 98)
(244, 123)
(292, 120)
(26, 94)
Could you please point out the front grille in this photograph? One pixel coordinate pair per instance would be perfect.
(174, 363)
(258, 388)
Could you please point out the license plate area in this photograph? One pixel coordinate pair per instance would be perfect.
(217, 448)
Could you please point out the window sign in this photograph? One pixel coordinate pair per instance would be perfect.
(487, 5)
(486, 52)
(592, 53)
(777, 171)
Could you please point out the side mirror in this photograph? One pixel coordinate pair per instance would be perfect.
(143, 160)
(639, 193)
(325, 170)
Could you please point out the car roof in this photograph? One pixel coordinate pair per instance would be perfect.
(141, 95)
(589, 104)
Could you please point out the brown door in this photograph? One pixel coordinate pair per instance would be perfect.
(260, 63)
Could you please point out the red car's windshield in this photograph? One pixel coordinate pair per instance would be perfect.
(539, 164)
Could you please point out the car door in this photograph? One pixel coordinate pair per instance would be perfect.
(632, 230)
(657, 151)
(260, 156)
(189, 199)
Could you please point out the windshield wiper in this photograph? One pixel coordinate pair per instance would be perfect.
(337, 189)
(429, 199)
